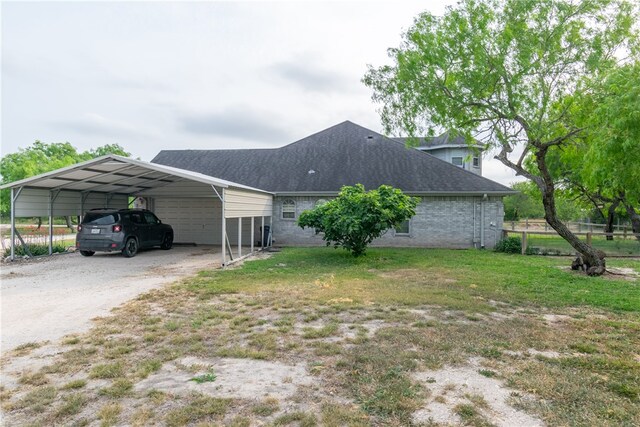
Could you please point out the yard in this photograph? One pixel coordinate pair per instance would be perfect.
(315, 337)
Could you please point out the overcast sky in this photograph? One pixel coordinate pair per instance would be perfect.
(159, 75)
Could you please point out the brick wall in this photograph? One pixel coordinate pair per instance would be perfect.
(440, 222)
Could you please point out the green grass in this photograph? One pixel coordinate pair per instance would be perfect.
(453, 279)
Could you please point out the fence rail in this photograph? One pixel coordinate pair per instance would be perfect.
(550, 243)
(575, 226)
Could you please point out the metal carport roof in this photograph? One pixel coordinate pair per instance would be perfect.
(119, 175)
(116, 175)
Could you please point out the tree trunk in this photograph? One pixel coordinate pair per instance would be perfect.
(591, 258)
(39, 223)
(69, 223)
(611, 213)
(635, 219)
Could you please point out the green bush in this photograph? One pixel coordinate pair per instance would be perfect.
(509, 245)
(356, 217)
(36, 249)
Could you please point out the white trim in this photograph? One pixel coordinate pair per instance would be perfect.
(436, 147)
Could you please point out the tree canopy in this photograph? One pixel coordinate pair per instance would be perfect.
(497, 70)
(356, 217)
(42, 157)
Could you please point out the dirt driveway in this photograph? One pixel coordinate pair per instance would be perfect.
(47, 298)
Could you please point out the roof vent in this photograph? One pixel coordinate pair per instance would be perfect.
(369, 137)
(311, 172)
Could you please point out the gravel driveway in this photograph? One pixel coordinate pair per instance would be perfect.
(47, 298)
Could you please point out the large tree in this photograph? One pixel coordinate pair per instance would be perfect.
(611, 144)
(42, 157)
(496, 70)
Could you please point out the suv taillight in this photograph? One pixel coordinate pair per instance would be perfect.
(117, 228)
(79, 227)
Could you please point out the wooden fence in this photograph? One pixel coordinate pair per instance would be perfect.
(576, 226)
(624, 244)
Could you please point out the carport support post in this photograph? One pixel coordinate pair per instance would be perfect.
(52, 198)
(252, 235)
(239, 237)
(13, 224)
(14, 196)
(271, 230)
(262, 231)
(50, 222)
(224, 231)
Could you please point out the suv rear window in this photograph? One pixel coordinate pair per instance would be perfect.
(95, 218)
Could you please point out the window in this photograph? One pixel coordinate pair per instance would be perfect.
(456, 161)
(288, 209)
(476, 162)
(136, 218)
(151, 218)
(402, 228)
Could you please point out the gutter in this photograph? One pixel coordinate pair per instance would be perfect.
(411, 193)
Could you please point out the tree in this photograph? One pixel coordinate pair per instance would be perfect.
(356, 217)
(606, 161)
(528, 204)
(40, 158)
(525, 204)
(496, 70)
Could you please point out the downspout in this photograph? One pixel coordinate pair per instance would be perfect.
(484, 199)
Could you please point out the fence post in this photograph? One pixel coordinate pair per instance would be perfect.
(545, 226)
(589, 239)
(505, 234)
(526, 223)
(513, 225)
(524, 243)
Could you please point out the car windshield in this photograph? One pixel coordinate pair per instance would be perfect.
(94, 218)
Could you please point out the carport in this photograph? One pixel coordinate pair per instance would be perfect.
(200, 208)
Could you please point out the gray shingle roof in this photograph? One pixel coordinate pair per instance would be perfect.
(344, 154)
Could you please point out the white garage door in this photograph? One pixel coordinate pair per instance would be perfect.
(194, 220)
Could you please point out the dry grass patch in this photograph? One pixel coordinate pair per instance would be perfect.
(197, 409)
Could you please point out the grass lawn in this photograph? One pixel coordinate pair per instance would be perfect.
(326, 339)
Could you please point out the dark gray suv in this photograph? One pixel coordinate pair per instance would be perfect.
(126, 230)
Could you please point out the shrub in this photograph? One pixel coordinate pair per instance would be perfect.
(509, 245)
(36, 249)
(356, 217)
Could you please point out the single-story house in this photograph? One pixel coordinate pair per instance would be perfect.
(225, 197)
(459, 208)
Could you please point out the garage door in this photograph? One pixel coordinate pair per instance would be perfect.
(194, 220)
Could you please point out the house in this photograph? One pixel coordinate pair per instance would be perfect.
(458, 209)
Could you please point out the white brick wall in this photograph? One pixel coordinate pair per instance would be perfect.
(440, 222)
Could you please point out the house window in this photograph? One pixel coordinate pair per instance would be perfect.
(456, 161)
(476, 162)
(288, 209)
(402, 229)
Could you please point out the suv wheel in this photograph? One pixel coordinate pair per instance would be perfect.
(167, 242)
(130, 248)
(87, 253)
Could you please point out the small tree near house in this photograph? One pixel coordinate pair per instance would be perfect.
(356, 217)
